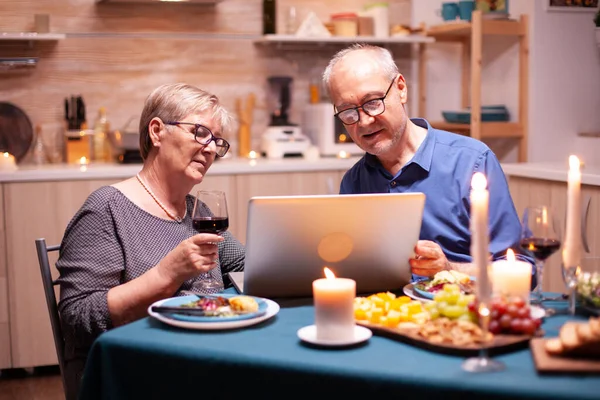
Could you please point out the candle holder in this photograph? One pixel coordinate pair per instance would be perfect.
(483, 363)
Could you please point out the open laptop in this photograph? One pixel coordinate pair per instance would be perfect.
(366, 237)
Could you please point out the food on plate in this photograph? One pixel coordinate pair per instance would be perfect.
(208, 303)
(447, 331)
(452, 303)
(581, 339)
(588, 288)
(512, 316)
(243, 304)
(434, 285)
(389, 310)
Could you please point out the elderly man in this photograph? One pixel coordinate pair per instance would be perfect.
(408, 155)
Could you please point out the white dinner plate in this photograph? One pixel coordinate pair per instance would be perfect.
(212, 323)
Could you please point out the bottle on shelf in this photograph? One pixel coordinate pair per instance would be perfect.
(269, 17)
(101, 130)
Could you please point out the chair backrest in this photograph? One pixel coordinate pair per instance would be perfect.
(49, 283)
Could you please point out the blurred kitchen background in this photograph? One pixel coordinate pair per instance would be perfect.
(113, 54)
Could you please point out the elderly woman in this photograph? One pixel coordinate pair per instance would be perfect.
(133, 243)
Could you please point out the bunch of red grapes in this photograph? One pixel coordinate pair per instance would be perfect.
(510, 316)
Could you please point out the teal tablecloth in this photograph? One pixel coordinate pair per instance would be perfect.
(150, 360)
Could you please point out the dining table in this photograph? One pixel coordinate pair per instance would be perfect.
(149, 359)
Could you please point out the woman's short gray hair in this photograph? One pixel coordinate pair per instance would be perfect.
(382, 56)
(174, 101)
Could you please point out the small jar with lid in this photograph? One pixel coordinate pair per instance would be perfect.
(345, 24)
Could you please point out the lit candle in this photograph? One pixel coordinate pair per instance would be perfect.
(334, 307)
(511, 277)
(83, 163)
(343, 154)
(572, 249)
(252, 155)
(479, 234)
(7, 162)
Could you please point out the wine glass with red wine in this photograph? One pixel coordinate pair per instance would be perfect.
(540, 235)
(210, 216)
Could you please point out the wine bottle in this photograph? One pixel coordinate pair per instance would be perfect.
(269, 12)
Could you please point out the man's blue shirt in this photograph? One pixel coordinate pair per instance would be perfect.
(442, 169)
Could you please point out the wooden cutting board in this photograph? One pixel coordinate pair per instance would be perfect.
(548, 364)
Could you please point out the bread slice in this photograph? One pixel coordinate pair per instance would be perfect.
(554, 346)
(568, 336)
(585, 334)
(595, 326)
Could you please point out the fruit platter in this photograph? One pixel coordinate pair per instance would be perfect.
(448, 324)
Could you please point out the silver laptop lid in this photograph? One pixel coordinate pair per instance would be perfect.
(366, 237)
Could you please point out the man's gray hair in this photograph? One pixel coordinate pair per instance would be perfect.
(383, 56)
(174, 101)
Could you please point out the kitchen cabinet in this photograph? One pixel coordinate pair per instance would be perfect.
(471, 36)
(43, 208)
(530, 191)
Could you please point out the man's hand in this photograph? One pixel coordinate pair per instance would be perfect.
(429, 259)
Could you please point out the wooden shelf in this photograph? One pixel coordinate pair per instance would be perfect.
(31, 36)
(293, 39)
(460, 31)
(488, 129)
(471, 36)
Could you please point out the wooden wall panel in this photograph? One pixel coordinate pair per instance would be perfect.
(5, 361)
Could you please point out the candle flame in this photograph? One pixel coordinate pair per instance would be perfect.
(574, 163)
(328, 273)
(252, 154)
(544, 216)
(510, 255)
(83, 160)
(6, 155)
(478, 182)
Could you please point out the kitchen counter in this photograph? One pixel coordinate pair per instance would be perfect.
(57, 172)
(590, 175)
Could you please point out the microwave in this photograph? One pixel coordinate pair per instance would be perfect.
(326, 131)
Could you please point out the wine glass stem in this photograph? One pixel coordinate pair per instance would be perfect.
(539, 275)
(572, 301)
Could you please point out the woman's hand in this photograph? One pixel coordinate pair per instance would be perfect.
(429, 259)
(191, 257)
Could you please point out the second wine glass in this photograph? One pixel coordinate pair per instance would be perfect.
(540, 235)
(210, 216)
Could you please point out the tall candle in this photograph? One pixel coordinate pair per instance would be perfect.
(334, 307)
(572, 248)
(511, 277)
(479, 234)
(7, 162)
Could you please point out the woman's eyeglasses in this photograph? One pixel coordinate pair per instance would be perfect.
(204, 136)
(372, 108)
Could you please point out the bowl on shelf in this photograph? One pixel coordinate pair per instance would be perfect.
(492, 113)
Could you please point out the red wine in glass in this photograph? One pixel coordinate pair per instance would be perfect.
(541, 248)
(216, 225)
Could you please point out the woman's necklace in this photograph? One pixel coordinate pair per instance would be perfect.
(172, 216)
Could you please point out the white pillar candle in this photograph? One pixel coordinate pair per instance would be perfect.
(479, 235)
(334, 307)
(572, 248)
(511, 277)
(7, 162)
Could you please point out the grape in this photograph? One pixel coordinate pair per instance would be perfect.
(509, 316)
(523, 312)
(495, 327)
(512, 310)
(516, 325)
(505, 321)
(528, 326)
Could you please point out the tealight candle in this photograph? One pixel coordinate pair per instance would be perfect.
(334, 307)
(511, 277)
(479, 234)
(252, 155)
(7, 162)
(572, 249)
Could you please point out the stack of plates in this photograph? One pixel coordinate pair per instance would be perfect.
(488, 114)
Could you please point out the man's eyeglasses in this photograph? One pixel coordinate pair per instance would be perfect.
(372, 108)
(204, 136)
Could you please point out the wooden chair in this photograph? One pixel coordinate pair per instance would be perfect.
(49, 283)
